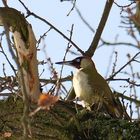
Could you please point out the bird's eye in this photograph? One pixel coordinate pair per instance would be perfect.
(78, 60)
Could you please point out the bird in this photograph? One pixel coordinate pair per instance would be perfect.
(92, 88)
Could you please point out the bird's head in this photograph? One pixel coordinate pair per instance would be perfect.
(79, 62)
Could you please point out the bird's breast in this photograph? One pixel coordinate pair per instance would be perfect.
(81, 85)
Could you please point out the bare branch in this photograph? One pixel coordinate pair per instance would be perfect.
(96, 39)
(52, 26)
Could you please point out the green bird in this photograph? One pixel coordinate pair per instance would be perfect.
(93, 89)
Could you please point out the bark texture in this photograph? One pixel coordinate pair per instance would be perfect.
(63, 123)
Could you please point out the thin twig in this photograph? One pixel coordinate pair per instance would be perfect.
(42, 36)
(117, 43)
(67, 50)
(137, 102)
(73, 6)
(14, 70)
(83, 19)
(125, 79)
(133, 87)
(51, 81)
(132, 59)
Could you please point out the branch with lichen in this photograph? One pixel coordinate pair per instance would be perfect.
(25, 44)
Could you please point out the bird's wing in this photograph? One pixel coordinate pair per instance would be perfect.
(71, 94)
(106, 98)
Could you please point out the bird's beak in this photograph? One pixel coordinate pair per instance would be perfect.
(69, 63)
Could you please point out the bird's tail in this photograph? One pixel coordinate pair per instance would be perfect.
(116, 110)
(121, 109)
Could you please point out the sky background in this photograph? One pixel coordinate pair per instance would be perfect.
(56, 12)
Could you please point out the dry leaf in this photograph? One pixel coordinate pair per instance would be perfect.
(47, 100)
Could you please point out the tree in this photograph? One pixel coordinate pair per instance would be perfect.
(62, 121)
